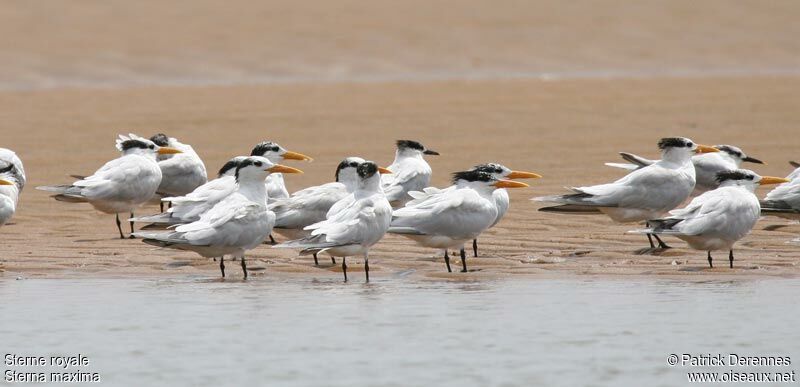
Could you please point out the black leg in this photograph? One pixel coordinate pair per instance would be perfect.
(709, 260)
(366, 265)
(119, 227)
(244, 267)
(475, 247)
(272, 240)
(730, 258)
(661, 243)
(215, 259)
(447, 261)
(170, 205)
(344, 268)
(463, 261)
(333, 260)
(222, 265)
(650, 238)
(316, 262)
(131, 236)
(161, 206)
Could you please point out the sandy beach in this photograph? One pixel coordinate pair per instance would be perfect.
(553, 87)
(564, 130)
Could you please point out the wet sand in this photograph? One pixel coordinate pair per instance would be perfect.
(563, 129)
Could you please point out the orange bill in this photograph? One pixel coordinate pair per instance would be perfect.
(289, 155)
(523, 175)
(277, 168)
(509, 184)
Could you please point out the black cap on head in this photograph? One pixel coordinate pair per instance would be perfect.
(345, 164)
(231, 164)
(488, 168)
(674, 142)
(246, 163)
(471, 175)
(734, 175)
(8, 168)
(729, 150)
(409, 144)
(160, 139)
(129, 144)
(264, 147)
(367, 169)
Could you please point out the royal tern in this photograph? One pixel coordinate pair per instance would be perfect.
(717, 219)
(189, 208)
(354, 229)
(121, 184)
(276, 189)
(410, 172)
(7, 156)
(500, 195)
(448, 218)
(646, 193)
(311, 205)
(784, 200)
(10, 186)
(706, 165)
(180, 173)
(238, 223)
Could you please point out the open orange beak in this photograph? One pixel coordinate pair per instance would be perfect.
(289, 155)
(509, 184)
(165, 150)
(705, 149)
(772, 180)
(523, 175)
(277, 168)
(384, 171)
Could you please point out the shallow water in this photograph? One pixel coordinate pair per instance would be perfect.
(394, 332)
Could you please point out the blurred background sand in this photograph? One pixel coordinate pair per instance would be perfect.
(553, 87)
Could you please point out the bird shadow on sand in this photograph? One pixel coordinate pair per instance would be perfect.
(658, 251)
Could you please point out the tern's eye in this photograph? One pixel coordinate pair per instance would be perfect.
(275, 149)
(152, 146)
(258, 163)
(689, 145)
(354, 165)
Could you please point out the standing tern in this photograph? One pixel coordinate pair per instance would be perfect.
(719, 218)
(784, 200)
(180, 173)
(500, 195)
(10, 187)
(121, 184)
(354, 229)
(410, 172)
(448, 218)
(706, 165)
(238, 223)
(646, 193)
(314, 204)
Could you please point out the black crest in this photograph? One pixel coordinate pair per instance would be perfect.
(674, 142)
(345, 164)
(233, 163)
(409, 144)
(130, 144)
(488, 168)
(246, 163)
(734, 175)
(264, 147)
(472, 175)
(367, 169)
(160, 139)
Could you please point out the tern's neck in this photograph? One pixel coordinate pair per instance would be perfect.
(745, 185)
(350, 182)
(369, 186)
(676, 155)
(253, 189)
(403, 154)
(480, 187)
